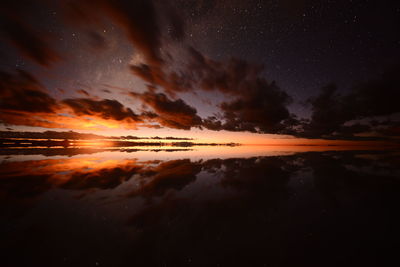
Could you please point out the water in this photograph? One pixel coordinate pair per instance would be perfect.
(201, 206)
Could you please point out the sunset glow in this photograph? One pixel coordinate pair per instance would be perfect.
(198, 133)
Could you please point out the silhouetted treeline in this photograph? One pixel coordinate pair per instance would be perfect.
(26, 143)
(77, 136)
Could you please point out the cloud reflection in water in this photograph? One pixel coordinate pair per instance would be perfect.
(321, 208)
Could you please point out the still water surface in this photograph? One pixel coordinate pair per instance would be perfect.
(201, 206)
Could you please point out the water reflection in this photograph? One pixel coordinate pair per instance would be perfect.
(199, 208)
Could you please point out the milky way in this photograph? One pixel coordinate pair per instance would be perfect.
(314, 69)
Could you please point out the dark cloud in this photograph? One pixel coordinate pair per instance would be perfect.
(105, 108)
(21, 92)
(51, 135)
(262, 108)
(83, 92)
(378, 97)
(147, 74)
(199, 72)
(388, 128)
(257, 105)
(170, 81)
(24, 101)
(332, 112)
(231, 76)
(252, 102)
(328, 112)
(29, 42)
(140, 20)
(212, 123)
(170, 113)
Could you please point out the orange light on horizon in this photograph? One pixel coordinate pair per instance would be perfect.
(112, 128)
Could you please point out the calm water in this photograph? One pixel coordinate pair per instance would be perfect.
(203, 206)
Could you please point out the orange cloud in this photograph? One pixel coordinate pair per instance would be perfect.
(26, 102)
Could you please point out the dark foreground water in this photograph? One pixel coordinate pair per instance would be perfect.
(254, 206)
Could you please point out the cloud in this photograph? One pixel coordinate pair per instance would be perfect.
(24, 101)
(252, 102)
(328, 112)
(22, 92)
(83, 92)
(139, 19)
(256, 105)
(343, 116)
(262, 108)
(157, 77)
(105, 108)
(230, 77)
(200, 72)
(29, 42)
(169, 113)
(147, 74)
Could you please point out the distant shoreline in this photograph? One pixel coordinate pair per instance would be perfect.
(50, 143)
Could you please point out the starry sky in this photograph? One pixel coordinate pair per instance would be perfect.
(238, 70)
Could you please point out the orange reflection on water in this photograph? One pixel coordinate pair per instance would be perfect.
(60, 171)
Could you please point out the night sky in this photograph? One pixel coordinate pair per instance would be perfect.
(229, 69)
